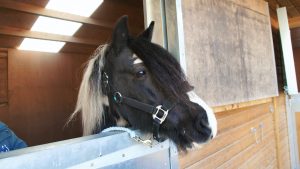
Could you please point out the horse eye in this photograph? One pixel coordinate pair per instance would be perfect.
(140, 73)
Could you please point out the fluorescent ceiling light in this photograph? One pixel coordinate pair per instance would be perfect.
(58, 26)
(77, 7)
(55, 26)
(41, 45)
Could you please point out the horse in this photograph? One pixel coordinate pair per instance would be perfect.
(132, 82)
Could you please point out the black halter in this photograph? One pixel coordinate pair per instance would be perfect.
(159, 113)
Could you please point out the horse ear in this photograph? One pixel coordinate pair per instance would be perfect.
(147, 34)
(120, 34)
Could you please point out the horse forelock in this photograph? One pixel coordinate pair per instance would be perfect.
(90, 99)
(164, 68)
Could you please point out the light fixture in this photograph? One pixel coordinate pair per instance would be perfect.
(59, 26)
(77, 7)
(55, 26)
(41, 45)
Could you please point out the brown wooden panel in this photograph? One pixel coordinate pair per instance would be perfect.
(235, 148)
(111, 11)
(260, 159)
(295, 36)
(298, 130)
(3, 77)
(226, 157)
(254, 5)
(281, 132)
(233, 134)
(10, 41)
(228, 52)
(241, 116)
(16, 19)
(43, 90)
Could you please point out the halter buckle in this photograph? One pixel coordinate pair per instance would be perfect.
(163, 117)
(117, 97)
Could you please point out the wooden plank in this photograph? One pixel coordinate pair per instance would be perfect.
(284, 146)
(272, 165)
(248, 105)
(3, 78)
(36, 10)
(239, 159)
(276, 129)
(282, 125)
(241, 105)
(294, 22)
(274, 23)
(3, 49)
(226, 156)
(242, 117)
(262, 158)
(46, 36)
(283, 133)
(3, 54)
(286, 161)
(298, 129)
(283, 156)
(43, 89)
(258, 6)
(222, 140)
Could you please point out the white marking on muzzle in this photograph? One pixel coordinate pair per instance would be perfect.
(212, 121)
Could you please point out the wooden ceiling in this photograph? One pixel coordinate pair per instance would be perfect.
(18, 16)
(292, 6)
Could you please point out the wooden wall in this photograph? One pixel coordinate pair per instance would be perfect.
(295, 36)
(229, 51)
(298, 130)
(236, 146)
(42, 90)
(3, 77)
(281, 130)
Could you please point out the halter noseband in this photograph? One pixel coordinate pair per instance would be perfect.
(159, 113)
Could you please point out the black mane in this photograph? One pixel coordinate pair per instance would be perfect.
(163, 66)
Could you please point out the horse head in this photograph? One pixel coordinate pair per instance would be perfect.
(135, 83)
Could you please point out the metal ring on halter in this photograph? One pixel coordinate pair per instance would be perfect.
(118, 97)
(163, 116)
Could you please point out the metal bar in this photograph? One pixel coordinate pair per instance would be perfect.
(291, 106)
(164, 23)
(116, 158)
(287, 50)
(174, 26)
(105, 150)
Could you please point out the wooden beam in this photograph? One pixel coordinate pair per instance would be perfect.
(241, 105)
(36, 10)
(294, 22)
(46, 36)
(274, 23)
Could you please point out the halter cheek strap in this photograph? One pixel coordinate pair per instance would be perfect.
(159, 113)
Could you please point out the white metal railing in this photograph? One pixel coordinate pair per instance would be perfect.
(105, 150)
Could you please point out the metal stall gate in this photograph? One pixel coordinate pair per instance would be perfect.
(105, 150)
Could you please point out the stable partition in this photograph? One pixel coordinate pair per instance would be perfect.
(42, 91)
(226, 49)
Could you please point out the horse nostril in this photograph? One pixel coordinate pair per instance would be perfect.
(204, 123)
(211, 137)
